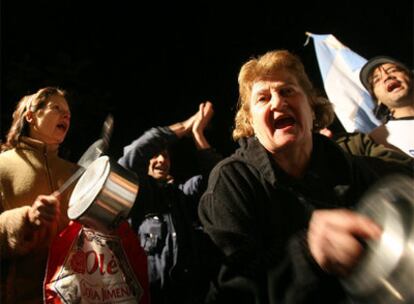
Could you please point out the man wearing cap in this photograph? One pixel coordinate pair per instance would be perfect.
(390, 84)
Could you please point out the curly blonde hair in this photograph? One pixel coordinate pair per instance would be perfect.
(265, 66)
(27, 103)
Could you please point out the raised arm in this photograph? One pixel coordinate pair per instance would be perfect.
(137, 155)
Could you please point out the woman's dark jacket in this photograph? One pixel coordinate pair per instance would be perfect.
(257, 216)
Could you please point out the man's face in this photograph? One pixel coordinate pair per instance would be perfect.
(159, 166)
(392, 86)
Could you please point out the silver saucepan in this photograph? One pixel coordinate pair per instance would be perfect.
(386, 273)
(104, 195)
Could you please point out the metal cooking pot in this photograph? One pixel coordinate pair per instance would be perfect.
(104, 195)
(386, 273)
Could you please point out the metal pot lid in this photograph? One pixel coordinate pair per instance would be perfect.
(88, 187)
(385, 274)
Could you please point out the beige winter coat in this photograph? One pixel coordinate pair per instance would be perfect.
(26, 172)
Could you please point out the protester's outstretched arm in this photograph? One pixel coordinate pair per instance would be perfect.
(208, 157)
(195, 125)
(183, 128)
(137, 154)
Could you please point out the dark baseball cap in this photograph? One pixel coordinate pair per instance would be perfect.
(370, 66)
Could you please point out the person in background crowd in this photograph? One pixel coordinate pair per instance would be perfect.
(278, 208)
(165, 212)
(31, 170)
(360, 144)
(390, 84)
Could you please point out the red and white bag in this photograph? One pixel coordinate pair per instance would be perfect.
(87, 266)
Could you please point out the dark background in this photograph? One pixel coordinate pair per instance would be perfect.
(152, 64)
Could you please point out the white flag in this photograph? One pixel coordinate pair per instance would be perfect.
(340, 68)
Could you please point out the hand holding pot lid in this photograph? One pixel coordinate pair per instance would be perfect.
(386, 273)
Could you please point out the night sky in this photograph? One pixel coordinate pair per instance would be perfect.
(152, 64)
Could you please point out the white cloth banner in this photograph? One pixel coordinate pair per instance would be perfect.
(340, 68)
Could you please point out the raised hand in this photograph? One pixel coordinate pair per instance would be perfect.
(195, 125)
(203, 117)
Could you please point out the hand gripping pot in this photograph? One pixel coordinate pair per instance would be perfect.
(386, 273)
(104, 195)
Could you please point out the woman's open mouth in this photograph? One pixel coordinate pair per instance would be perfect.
(283, 122)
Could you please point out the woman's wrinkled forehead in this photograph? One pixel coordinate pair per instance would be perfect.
(275, 80)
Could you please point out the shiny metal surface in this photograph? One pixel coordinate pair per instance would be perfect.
(386, 273)
(93, 152)
(104, 195)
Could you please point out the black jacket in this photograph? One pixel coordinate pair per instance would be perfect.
(257, 216)
(165, 217)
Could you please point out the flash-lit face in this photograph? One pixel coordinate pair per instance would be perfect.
(280, 112)
(50, 122)
(159, 166)
(392, 85)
